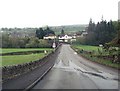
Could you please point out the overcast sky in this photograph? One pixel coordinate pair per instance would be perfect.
(37, 13)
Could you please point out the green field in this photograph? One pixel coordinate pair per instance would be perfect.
(95, 58)
(93, 48)
(87, 47)
(10, 60)
(8, 50)
(19, 59)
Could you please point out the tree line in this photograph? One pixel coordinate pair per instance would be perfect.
(100, 33)
(36, 41)
(40, 33)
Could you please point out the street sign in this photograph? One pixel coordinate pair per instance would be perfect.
(54, 45)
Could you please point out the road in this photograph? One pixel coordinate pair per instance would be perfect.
(24, 80)
(71, 71)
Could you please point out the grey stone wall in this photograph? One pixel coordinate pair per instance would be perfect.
(13, 71)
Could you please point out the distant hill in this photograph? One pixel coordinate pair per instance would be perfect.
(68, 28)
(22, 32)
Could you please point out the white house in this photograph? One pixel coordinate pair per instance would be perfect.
(84, 33)
(64, 38)
(50, 36)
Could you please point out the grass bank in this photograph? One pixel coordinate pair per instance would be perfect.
(8, 50)
(20, 59)
(106, 62)
(10, 60)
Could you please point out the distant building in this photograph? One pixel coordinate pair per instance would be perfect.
(66, 38)
(84, 33)
(50, 36)
(74, 36)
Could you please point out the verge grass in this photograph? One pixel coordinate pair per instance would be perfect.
(8, 50)
(20, 59)
(86, 47)
(95, 59)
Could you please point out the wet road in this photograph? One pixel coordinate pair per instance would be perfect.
(72, 71)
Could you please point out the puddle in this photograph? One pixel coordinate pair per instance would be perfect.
(74, 68)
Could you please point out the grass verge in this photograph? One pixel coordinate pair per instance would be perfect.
(20, 59)
(8, 50)
(93, 58)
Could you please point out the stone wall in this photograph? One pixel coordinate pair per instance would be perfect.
(13, 71)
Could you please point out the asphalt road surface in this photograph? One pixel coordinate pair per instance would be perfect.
(72, 71)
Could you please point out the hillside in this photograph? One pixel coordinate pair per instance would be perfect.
(31, 31)
(68, 28)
